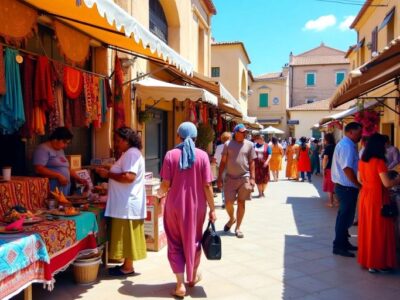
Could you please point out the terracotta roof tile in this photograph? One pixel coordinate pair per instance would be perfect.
(269, 76)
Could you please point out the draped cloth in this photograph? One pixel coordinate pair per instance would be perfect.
(28, 81)
(2, 73)
(43, 92)
(187, 131)
(119, 109)
(12, 115)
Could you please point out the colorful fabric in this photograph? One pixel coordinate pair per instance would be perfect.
(103, 99)
(99, 210)
(43, 92)
(38, 121)
(185, 210)
(30, 192)
(187, 131)
(57, 235)
(28, 80)
(90, 101)
(376, 234)
(119, 108)
(17, 251)
(13, 27)
(12, 115)
(73, 82)
(127, 239)
(262, 173)
(3, 87)
(85, 224)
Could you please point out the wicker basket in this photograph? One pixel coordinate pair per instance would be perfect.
(85, 272)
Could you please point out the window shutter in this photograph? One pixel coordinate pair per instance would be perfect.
(310, 79)
(339, 78)
(263, 101)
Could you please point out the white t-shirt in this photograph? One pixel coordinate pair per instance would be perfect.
(218, 153)
(127, 200)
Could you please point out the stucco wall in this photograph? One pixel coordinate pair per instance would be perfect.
(274, 88)
(306, 120)
(325, 83)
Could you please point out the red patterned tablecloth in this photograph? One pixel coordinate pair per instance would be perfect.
(30, 192)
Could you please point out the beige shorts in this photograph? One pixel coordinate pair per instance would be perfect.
(240, 189)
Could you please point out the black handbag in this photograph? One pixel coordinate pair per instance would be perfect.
(390, 210)
(211, 243)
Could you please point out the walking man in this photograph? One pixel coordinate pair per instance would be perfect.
(238, 159)
(344, 175)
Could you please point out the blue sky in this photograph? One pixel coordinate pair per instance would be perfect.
(271, 29)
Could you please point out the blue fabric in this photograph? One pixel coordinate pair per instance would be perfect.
(85, 223)
(239, 127)
(187, 131)
(17, 251)
(12, 115)
(345, 156)
(347, 197)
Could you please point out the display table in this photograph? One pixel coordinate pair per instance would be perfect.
(31, 192)
(23, 258)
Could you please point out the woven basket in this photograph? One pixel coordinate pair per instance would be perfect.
(85, 272)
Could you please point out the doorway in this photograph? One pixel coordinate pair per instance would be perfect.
(388, 129)
(156, 141)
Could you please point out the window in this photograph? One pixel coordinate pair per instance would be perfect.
(310, 79)
(158, 21)
(374, 40)
(339, 77)
(263, 100)
(390, 30)
(215, 72)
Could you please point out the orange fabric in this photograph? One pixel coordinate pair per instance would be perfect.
(38, 121)
(275, 164)
(18, 21)
(73, 82)
(291, 166)
(73, 44)
(304, 162)
(376, 234)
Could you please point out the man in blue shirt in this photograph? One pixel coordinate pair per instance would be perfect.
(344, 175)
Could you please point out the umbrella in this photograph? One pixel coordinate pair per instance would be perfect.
(272, 130)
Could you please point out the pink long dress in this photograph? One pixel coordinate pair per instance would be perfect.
(185, 210)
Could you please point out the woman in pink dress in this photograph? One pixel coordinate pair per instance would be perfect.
(186, 178)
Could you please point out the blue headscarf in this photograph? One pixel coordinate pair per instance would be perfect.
(187, 131)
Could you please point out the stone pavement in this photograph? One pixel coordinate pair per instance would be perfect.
(286, 254)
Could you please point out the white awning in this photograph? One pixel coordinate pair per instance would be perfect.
(112, 25)
(226, 95)
(348, 112)
(150, 88)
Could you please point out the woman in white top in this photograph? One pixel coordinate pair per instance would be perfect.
(126, 204)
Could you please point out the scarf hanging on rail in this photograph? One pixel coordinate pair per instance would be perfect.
(43, 92)
(28, 81)
(119, 108)
(12, 115)
(2, 73)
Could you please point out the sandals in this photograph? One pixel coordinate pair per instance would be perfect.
(116, 271)
(196, 281)
(239, 234)
(178, 295)
(228, 228)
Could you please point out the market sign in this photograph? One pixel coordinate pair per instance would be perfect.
(293, 122)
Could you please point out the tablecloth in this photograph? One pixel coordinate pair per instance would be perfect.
(85, 224)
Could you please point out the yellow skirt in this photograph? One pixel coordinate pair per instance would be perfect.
(127, 239)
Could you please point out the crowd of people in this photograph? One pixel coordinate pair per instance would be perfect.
(350, 176)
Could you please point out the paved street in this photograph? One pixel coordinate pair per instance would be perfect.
(286, 254)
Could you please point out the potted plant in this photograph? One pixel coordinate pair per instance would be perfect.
(144, 116)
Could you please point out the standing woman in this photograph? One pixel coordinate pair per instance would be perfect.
(263, 153)
(126, 204)
(275, 164)
(186, 176)
(291, 165)
(315, 152)
(303, 159)
(376, 234)
(328, 186)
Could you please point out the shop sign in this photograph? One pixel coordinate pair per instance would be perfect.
(293, 122)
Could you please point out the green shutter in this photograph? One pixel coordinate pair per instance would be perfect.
(339, 78)
(310, 79)
(263, 100)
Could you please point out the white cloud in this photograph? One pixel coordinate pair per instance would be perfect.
(345, 25)
(321, 23)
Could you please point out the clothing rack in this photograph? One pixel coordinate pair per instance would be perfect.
(51, 59)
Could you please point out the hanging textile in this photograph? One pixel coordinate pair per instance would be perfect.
(89, 97)
(28, 80)
(2, 73)
(56, 115)
(119, 109)
(73, 82)
(219, 123)
(18, 21)
(97, 103)
(108, 93)
(38, 121)
(103, 99)
(72, 44)
(201, 116)
(192, 113)
(12, 115)
(43, 93)
(78, 111)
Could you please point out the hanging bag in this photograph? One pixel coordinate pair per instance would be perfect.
(211, 243)
(389, 210)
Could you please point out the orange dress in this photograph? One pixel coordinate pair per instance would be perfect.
(275, 164)
(291, 165)
(376, 234)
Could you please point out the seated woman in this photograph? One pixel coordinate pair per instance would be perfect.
(49, 161)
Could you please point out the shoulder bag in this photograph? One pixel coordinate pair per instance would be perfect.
(211, 243)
